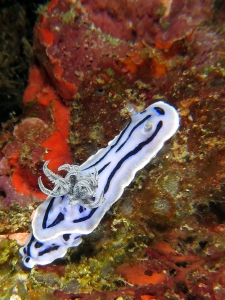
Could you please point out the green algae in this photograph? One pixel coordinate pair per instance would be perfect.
(165, 25)
(110, 72)
(7, 250)
(69, 16)
(16, 218)
(161, 10)
(96, 132)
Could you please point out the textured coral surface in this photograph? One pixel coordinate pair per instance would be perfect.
(165, 238)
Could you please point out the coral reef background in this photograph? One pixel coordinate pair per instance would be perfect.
(165, 238)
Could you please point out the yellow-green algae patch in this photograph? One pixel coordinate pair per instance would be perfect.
(16, 218)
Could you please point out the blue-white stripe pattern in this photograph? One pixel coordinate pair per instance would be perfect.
(57, 226)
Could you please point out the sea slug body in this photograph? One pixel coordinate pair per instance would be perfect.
(79, 201)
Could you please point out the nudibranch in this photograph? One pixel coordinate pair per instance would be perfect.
(79, 200)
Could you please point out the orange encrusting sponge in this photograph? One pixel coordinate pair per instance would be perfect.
(136, 275)
(56, 148)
